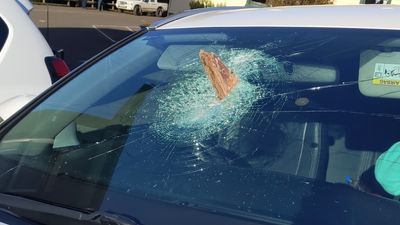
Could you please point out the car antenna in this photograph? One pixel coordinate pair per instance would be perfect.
(47, 23)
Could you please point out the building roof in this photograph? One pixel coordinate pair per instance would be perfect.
(359, 16)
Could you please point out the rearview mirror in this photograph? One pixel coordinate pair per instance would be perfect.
(186, 58)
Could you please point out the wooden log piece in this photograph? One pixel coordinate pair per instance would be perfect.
(221, 77)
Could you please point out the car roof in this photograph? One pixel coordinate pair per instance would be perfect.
(329, 16)
(26, 5)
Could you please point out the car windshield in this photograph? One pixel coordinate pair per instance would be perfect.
(266, 124)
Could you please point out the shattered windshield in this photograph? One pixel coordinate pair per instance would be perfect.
(269, 124)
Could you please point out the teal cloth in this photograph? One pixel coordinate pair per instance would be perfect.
(387, 170)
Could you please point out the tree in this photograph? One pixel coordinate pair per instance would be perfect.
(200, 4)
(297, 2)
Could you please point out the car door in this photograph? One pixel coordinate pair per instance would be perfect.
(145, 5)
(153, 5)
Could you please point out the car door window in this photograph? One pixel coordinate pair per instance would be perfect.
(3, 33)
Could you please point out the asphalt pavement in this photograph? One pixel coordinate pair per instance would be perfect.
(83, 33)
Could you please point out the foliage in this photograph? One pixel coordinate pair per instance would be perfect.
(200, 4)
(297, 2)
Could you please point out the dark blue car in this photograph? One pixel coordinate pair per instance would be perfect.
(229, 116)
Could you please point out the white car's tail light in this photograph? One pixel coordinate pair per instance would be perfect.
(57, 67)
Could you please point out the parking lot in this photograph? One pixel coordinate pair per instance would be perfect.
(83, 33)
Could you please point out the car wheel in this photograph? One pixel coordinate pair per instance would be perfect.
(137, 11)
(120, 10)
(159, 12)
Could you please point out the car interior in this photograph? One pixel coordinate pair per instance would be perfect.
(319, 129)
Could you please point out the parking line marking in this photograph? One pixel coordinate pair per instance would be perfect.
(119, 26)
(129, 28)
(105, 35)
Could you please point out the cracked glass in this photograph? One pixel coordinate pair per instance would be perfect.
(293, 141)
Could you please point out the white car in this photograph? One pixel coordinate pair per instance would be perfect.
(139, 7)
(26, 60)
(230, 116)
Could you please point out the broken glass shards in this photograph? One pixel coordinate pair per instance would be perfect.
(187, 109)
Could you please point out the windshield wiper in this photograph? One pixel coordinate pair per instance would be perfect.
(37, 210)
(112, 218)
